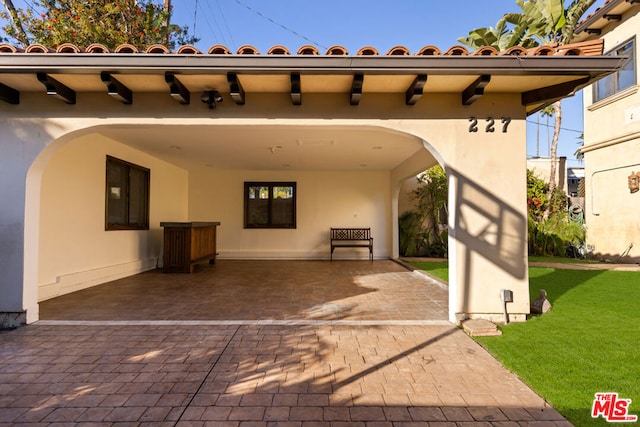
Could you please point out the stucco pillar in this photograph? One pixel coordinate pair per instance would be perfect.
(21, 144)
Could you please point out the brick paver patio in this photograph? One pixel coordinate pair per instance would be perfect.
(308, 364)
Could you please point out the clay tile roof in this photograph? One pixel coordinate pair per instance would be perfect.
(68, 48)
(595, 12)
(585, 48)
(368, 51)
(38, 48)
(308, 50)
(486, 51)
(126, 48)
(428, 51)
(457, 51)
(219, 49)
(157, 48)
(247, 49)
(278, 50)
(188, 49)
(337, 50)
(97, 48)
(398, 50)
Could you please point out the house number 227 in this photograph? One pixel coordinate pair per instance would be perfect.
(490, 124)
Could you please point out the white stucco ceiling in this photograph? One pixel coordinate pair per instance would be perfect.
(264, 147)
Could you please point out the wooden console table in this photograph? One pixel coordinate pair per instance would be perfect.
(187, 243)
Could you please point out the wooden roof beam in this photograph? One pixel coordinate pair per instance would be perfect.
(235, 89)
(356, 89)
(9, 94)
(414, 93)
(57, 89)
(176, 89)
(116, 89)
(296, 90)
(550, 94)
(475, 90)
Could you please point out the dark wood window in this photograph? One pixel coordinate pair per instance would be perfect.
(127, 198)
(270, 205)
(623, 78)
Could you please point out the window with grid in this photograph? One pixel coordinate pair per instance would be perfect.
(127, 198)
(623, 78)
(270, 205)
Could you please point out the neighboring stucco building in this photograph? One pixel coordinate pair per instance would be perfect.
(541, 167)
(612, 135)
(97, 148)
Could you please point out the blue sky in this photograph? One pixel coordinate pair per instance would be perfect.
(355, 24)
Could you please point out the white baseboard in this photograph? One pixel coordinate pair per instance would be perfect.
(73, 282)
(345, 254)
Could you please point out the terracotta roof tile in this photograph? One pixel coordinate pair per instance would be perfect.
(188, 49)
(38, 48)
(542, 51)
(157, 48)
(278, 50)
(398, 50)
(428, 51)
(126, 48)
(457, 51)
(515, 51)
(68, 48)
(218, 49)
(247, 49)
(7, 48)
(308, 50)
(486, 51)
(97, 48)
(337, 50)
(368, 51)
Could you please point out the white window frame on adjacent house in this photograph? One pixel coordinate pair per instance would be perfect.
(613, 83)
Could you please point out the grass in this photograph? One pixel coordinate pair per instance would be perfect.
(562, 260)
(587, 343)
(439, 269)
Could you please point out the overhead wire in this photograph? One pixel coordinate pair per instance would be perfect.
(217, 33)
(224, 20)
(279, 24)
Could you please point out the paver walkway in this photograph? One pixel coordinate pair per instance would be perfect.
(322, 369)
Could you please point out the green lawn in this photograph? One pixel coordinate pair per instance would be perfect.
(439, 269)
(562, 260)
(588, 343)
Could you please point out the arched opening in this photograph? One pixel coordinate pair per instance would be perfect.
(68, 248)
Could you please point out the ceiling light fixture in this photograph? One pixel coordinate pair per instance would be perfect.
(210, 97)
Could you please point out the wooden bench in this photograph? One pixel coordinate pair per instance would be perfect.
(351, 238)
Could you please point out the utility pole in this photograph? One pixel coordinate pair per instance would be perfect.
(21, 35)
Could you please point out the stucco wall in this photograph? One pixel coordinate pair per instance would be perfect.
(323, 201)
(611, 209)
(612, 144)
(75, 250)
